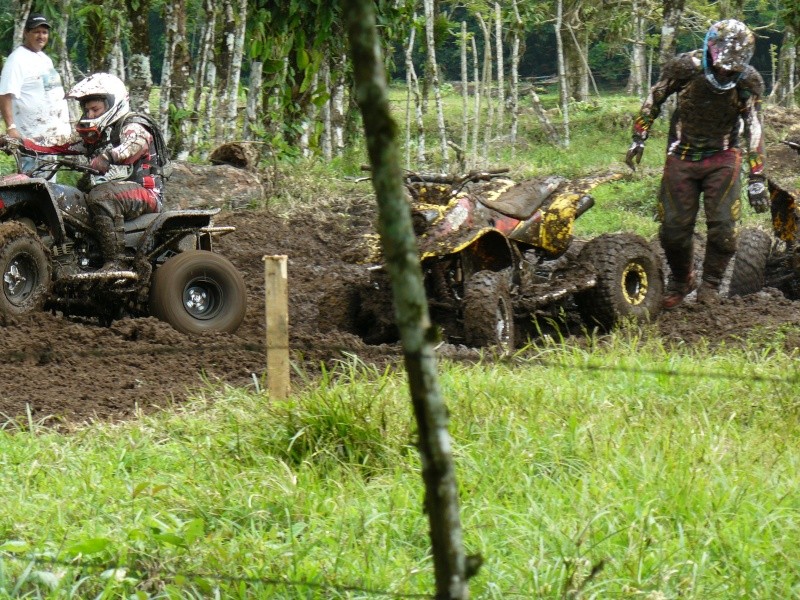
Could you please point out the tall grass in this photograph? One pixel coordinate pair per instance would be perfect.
(613, 469)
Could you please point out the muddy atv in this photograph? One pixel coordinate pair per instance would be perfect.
(499, 258)
(50, 256)
(770, 259)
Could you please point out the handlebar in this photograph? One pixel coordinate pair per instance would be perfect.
(793, 145)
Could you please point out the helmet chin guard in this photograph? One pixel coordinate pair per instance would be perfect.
(112, 92)
(727, 50)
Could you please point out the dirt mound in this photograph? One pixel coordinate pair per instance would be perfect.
(60, 370)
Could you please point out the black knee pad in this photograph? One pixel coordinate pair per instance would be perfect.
(676, 239)
(722, 237)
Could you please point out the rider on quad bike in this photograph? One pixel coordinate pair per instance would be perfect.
(127, 152)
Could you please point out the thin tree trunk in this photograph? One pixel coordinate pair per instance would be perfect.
(170, 28)
(140, 79)
(434, 71)
(22, 9)
(515, 47)
(414, 92)
(478, 92)
(116, 60)
(254, 98)
(180, 83)
(547, 126)
(64, 60)
(338, 101)
(413, 320)
(464, 88)
(235, 70)
(307, 123)
(783, 90)
(224, 75)
(327, 136)
(501, 90)
(562, 75)
(672, 15)
(487, 85)
(636, 80)
(205, 77)
(582, 50)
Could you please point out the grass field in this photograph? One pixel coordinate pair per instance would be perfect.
(614, 468)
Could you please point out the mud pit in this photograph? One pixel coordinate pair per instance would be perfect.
(70, 371)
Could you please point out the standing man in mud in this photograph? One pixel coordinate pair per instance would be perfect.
(718, 92)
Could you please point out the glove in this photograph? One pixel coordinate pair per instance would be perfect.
(101, 163)
(757, 195)
(635, 152)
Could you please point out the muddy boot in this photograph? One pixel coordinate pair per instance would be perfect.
(708, 292)
(111, 233)
(677, 290)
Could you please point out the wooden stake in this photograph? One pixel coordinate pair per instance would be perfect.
(277, 315)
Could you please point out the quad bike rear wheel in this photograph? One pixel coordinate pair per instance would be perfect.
(630, 281)
(198, 291)
(488, 312)
(25, 270)
(748, 275)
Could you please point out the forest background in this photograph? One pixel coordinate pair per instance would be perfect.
(277, 73)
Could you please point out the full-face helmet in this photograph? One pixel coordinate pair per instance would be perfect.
(727, 51)
(112, 92)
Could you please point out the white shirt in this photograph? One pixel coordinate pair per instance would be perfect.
(39, 107)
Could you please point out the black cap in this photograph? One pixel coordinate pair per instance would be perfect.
(35, 20)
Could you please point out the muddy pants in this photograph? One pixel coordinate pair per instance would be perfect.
(126, 199)
(717, 178)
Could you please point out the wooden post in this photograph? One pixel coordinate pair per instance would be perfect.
(277, 315)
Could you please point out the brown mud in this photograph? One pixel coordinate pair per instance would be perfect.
(57, 370)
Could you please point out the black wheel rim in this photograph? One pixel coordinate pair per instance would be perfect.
(20, 279)
(203, 298)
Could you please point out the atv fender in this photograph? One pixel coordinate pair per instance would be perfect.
(153, 230)
(488, 249)
(33, 198)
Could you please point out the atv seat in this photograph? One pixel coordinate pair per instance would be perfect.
(523, 199)
(140, 223)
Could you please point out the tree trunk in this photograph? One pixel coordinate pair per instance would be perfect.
(116, 59)
(205, 76)
(235, 70)
(254, 96)
(413, 320)
(547, 126)
(22, 9)
(170, 27)
(784, 89)
(338, 97)
(140, 79)
(562, 74)
(412, 82)
(487, 85)
(501, 91)
(224, 75)
(478, 91)
(180, 83)
(673, 13)
(64, 61)
(464, 88)
(434, 72)
(636, 81)
(327, 136)
(515, 53)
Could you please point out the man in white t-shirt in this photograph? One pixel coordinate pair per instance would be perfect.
(32, 101)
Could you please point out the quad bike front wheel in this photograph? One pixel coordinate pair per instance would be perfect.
(750, 262)
(630, 281)
(488, 312)
(198, 291)
(25, 270)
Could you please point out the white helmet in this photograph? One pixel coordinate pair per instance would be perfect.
(112, 91)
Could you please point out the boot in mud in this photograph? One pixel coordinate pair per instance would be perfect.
(677, 291)
(111, 233)
(708, 293)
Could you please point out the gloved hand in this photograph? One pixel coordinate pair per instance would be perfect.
(757, 194)
(635, 152)
(9, 142)
(101, 163)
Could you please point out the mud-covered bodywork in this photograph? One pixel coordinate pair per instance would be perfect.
(494, 252)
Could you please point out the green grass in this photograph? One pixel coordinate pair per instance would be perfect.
(673, 473)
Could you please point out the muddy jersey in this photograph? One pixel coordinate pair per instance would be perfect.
(131, 157)
(707, 120)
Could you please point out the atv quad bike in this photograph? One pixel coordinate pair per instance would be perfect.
(50, 256)
(771, 260)
(496, 254)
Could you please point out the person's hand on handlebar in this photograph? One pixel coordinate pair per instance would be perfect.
(9, 143)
